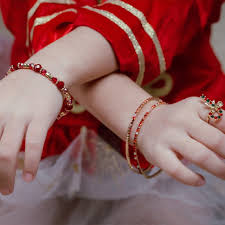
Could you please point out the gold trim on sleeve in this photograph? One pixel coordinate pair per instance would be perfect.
(131, 36)
(77, 109)
(39, 2)
(35, 7)
(45, 19)
(162, 91)
(147, 27)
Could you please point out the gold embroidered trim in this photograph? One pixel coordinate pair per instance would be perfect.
(77, 109)
(45, 19)
(35, 7)
(163, 91)
(131, 36)
(147, 27)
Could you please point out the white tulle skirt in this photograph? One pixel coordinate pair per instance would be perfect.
(94, 186)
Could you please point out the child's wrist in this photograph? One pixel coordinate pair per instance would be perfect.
(76, 58)
(57, 68)
(37, 68)
(133, 155)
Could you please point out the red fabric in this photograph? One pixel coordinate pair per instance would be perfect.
(174, 29)
(183, 30)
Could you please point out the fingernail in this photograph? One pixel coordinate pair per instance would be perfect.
(5, 191)
(28, 177)
(201, 182)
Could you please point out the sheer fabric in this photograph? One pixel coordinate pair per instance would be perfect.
(69, 190)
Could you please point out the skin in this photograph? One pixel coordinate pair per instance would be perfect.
(179, 129)
(187, 134)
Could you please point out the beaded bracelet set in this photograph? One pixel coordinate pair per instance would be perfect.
(132, 153)
(67, 98)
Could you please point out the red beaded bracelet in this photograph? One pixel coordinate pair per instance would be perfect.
(144, 172)
(138, 110)
(67, 98)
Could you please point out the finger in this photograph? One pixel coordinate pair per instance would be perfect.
(200, 155)
(211, 137)
(9, 147)
(167, 160)
(35, 139)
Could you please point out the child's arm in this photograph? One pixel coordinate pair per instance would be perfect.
(177, 128)
(79, 57)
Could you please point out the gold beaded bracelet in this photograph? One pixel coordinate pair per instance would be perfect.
(148, 170)
(129, 132)
(139, 170)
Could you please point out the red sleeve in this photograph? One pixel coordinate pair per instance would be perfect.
(10, 16)
(146, 35)
(24, 19)
(15, 17)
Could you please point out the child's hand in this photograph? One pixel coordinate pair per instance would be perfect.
(182, 128)
(29, 105)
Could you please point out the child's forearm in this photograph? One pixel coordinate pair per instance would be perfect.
(81, 56)
(112, 99)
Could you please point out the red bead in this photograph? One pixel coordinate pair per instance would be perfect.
(54, 80)
(69, 107)
(43, 72)
(15, 67)
(210, 113)
(37, 68)
(31, 66)
(215, 117)
(70, 101)
(60, 84)
(12, 69)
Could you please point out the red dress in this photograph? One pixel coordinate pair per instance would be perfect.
(162, 45)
